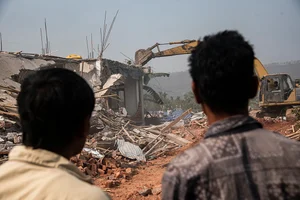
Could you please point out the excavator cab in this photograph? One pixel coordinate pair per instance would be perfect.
(276, 88)
(277, 94)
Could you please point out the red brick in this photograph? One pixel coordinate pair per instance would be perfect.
(118, 174)
(94, 168)
(80, 163)
(111, 183)
(123, 181)
(128, 171)
(109, 171)
(101, 172)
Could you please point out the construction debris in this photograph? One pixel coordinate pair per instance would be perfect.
(294, 131)
(145, 192)
(117, 146)
(10, 132)
(130, 150)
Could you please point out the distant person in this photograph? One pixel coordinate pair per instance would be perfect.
(55, 106)
(237, 159)
(276, 85)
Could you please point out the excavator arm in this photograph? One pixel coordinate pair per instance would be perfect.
(143, 56)
(259, 69)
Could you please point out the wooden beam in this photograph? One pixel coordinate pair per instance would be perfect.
(176, 120)
(9, 114)
(178, 140)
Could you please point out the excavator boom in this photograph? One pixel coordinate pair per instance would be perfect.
(143, 56)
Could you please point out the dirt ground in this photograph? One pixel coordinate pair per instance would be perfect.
(150, 174)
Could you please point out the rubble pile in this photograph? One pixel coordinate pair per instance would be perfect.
(116, 146)
(10, 132)
(114, 169)
(269, 120)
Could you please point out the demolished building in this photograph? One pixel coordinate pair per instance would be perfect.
(111, 135)
(105, 77)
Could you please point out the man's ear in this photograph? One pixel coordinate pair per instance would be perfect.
(196, 93)
(253, 87)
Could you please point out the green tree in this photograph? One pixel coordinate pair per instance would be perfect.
(190, 102)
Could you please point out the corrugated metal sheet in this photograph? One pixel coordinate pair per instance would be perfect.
(175, 114)
(94, 153)
(130, 150)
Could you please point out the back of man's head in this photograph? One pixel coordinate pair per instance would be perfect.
(222, 69)
(54, 105)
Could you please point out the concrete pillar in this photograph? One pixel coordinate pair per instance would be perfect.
(141, 98)
(131, 95)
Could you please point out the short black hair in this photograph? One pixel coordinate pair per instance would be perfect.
(222, 67)
(53, 105)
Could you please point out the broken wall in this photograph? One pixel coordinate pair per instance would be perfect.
(12, 64)
(133, 78)
(14, 68)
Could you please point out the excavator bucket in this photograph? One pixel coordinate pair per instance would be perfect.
(142, 56)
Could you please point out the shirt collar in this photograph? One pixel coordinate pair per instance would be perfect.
(47, 159)
(232, 123)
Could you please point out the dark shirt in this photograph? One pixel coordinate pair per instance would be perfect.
(236, 160)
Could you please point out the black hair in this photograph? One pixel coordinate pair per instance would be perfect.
(222, 67)
(53, 105)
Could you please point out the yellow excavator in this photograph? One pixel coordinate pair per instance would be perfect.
(277, 92)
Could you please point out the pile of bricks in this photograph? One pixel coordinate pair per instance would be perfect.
(113, 170)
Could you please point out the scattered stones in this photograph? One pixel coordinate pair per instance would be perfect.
(119, 174)
(128, 171)
(145, 192)
(17, 139)
(111, 183)
(156, 190)
(10, 136)
(2, 124)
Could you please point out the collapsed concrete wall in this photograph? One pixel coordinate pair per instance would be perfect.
(12, 64)
(133, 84)
(15, 67)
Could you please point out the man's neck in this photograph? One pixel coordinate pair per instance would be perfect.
(213, 117)
(64, 153)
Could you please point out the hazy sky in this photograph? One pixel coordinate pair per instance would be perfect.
(272, 26)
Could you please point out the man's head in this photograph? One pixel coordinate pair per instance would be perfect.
(222, 69)
(55, 107)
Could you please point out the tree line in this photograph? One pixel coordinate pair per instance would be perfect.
(184, 102)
